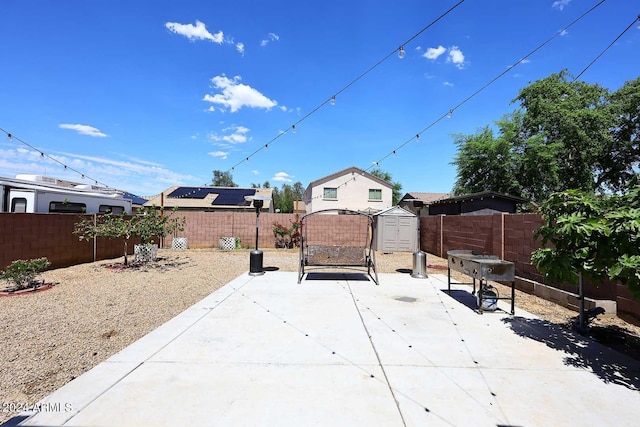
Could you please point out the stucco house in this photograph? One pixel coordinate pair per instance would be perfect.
(211, 199)
(352, 189)
(418, 202)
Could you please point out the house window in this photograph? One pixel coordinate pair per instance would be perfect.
(375, 194)
(19, 205)
(67, 207)
(116, 210)
(330, 193)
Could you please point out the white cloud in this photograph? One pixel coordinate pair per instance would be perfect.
(234, 135)
(255, 172)
(456, 57)
(282, 177)
(447, 84)
(195, 32)
(434, 52)
(84, 130)
(283, 108)
(220, 154)
(133, 175)
(236, 95)
(271, 37)
(240, 47)
(560, 4)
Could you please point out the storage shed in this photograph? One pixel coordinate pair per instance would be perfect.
(397, 230)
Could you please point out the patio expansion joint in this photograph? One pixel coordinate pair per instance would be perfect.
(147, 359)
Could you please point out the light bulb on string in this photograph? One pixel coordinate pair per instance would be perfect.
(449, 114)
(9, 137)
(401, 52)
(333, 100)
(394, 153)
(41, 154)
(293, 128)
(266, 146)
(418, 137)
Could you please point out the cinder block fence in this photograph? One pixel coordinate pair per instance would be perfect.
(509, 236)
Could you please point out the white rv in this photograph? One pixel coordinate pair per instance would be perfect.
(36, 193)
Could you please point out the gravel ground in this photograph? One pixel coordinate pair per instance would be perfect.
(49, 338)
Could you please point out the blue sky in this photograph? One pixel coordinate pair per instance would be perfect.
(142, 95)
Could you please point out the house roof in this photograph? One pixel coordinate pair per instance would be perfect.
(209, 197)
(481, 195)
(426, 198)
(349, 171)
(136, 200)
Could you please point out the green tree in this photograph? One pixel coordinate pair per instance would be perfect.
(284, 197)
(396, 194)
(588, 235)
(566, 134)
(485, 162)
(574, 119)
(222, 179)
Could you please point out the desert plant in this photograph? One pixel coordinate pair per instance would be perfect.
(23, 272)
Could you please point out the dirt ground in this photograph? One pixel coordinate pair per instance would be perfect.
(96, 309)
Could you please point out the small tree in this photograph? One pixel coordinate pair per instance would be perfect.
(109, 226)
(150, 222)
(593, 236)
(175, 224)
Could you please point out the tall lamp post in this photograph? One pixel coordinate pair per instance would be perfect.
(255, 258)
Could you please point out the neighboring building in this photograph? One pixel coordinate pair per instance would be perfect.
(211, 199)
(352, 189)
(418, 202)
(483, 203)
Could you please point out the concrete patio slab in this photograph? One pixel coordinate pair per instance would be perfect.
(338, 350)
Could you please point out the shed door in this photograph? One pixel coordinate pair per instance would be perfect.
(389, 234)
(399, 234)
(406, 234)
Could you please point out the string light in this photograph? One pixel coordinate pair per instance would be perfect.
(362, 75)
(401, 53)
(418, 137)
(11, 137)
(293, 128)
(333, 100)
(518, 62)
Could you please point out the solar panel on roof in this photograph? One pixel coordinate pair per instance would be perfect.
(226, 196)
(233, 196)
(192, 192)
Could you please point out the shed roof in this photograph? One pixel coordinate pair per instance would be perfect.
(395, 211)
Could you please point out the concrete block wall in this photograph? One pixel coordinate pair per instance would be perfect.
(28, 236)
(511, 237)
(336, 230)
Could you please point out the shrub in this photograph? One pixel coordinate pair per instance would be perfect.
(23, 272)
(286, 237)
